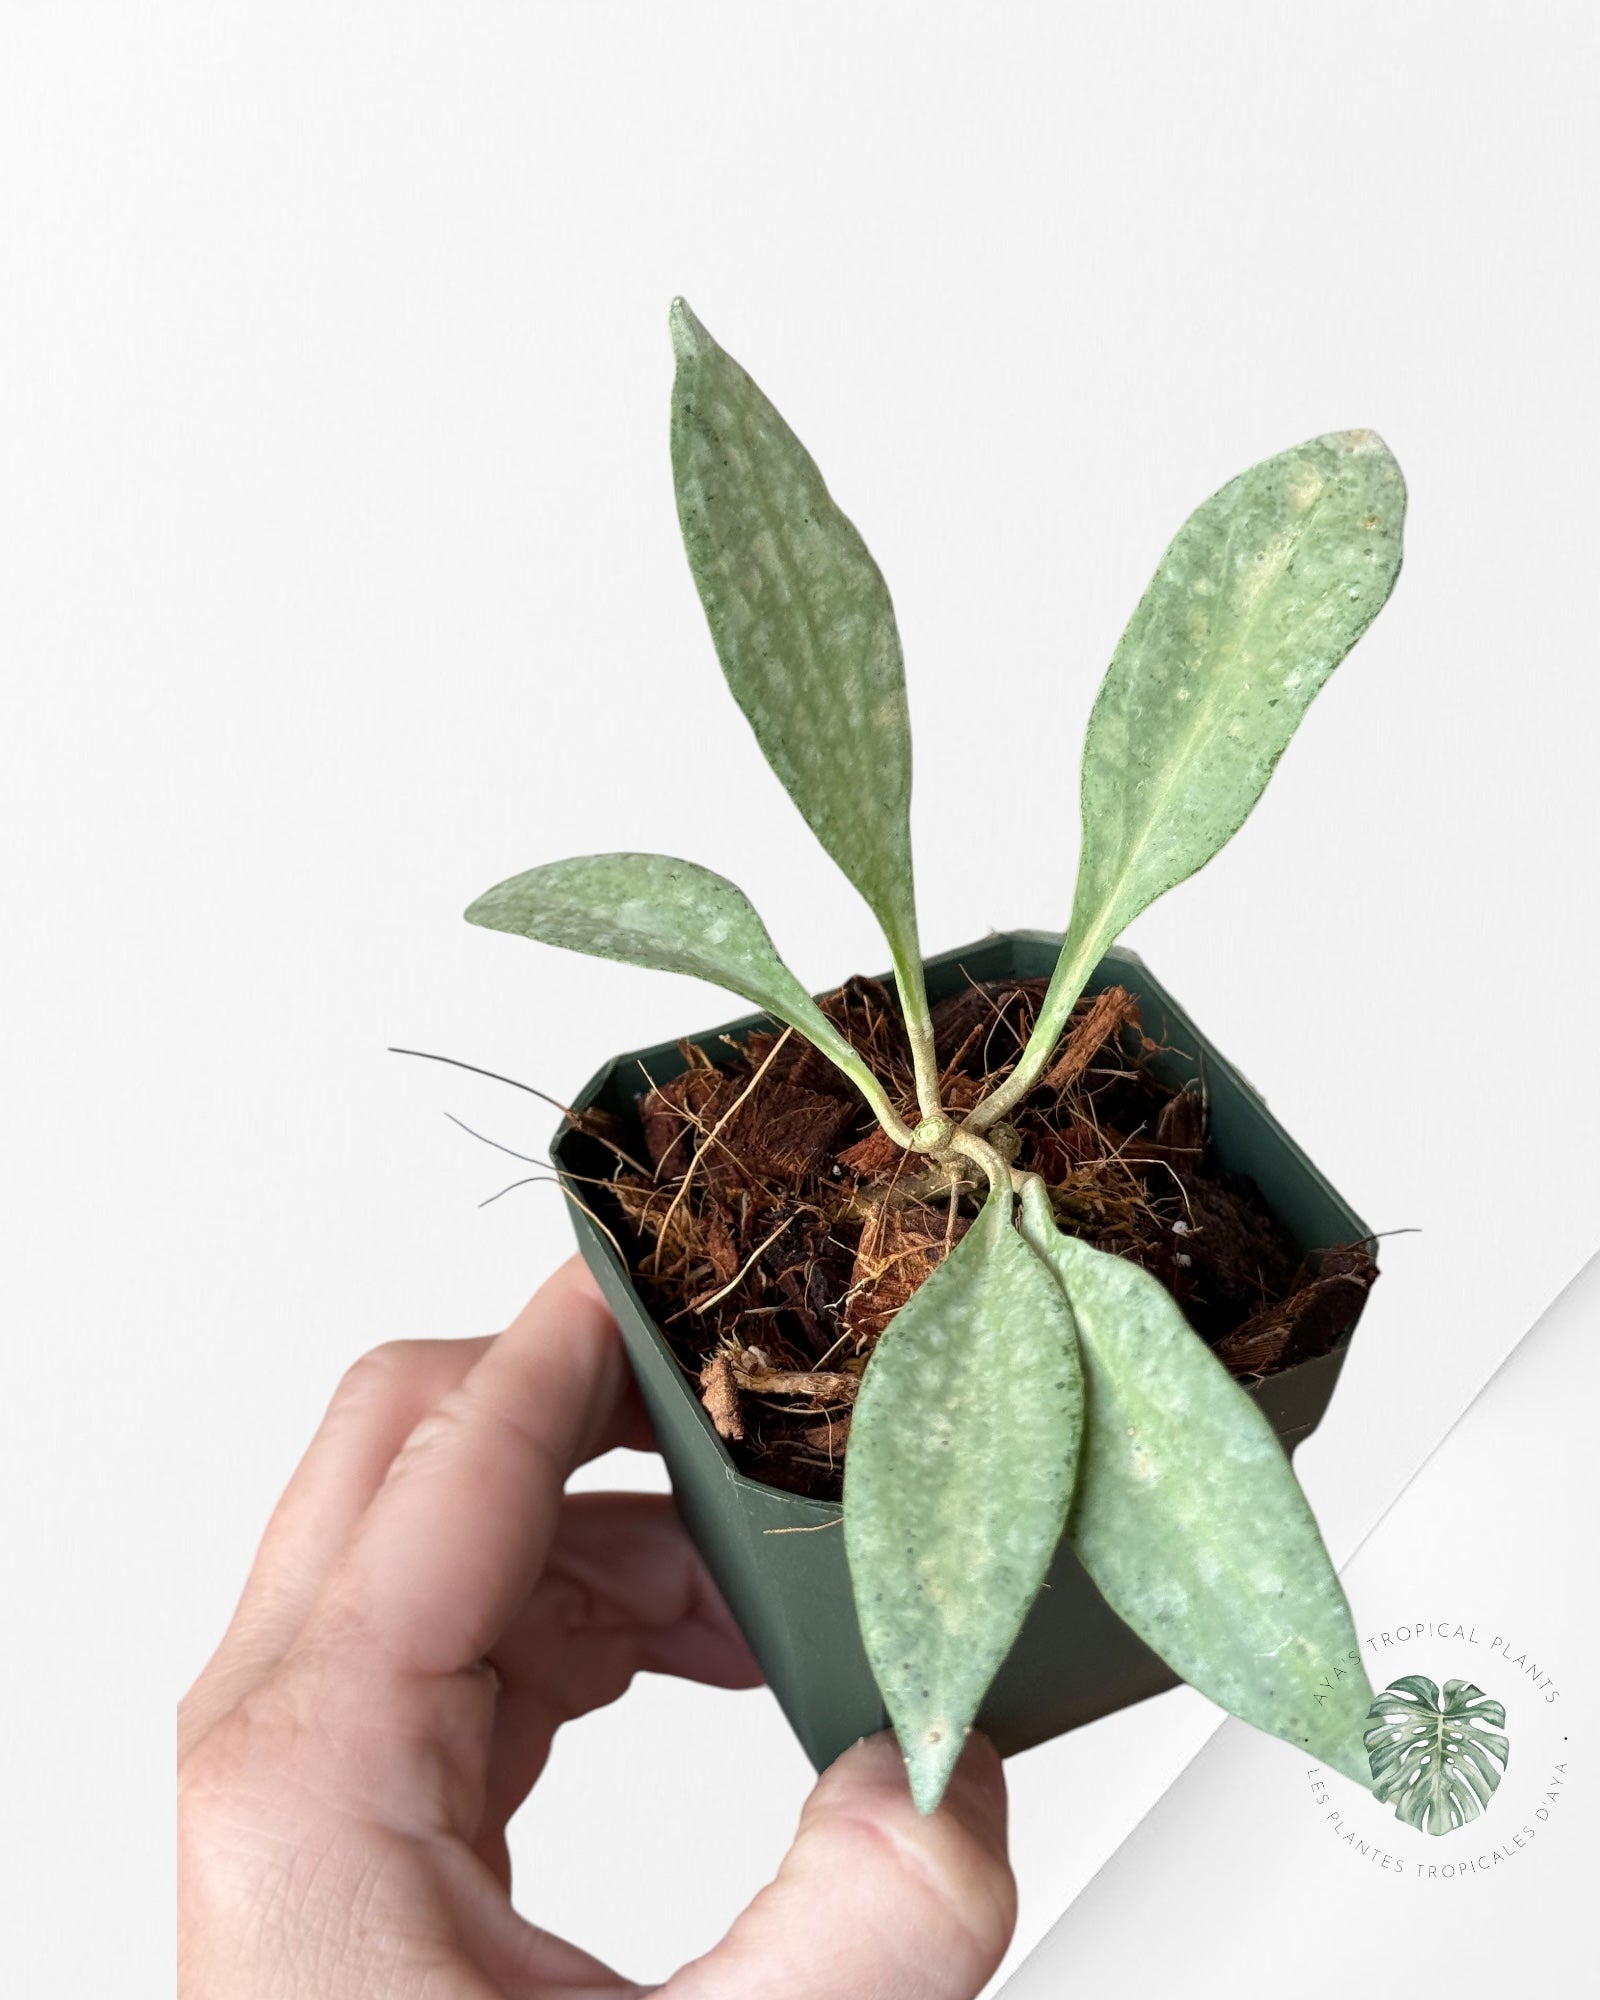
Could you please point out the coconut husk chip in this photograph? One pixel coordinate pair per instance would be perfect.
(779, 1230)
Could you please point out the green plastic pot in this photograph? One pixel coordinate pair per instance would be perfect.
(779, 1558)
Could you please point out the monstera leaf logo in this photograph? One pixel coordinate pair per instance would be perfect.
(1434, 1756)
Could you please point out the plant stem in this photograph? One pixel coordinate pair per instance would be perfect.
(1066, 988)
(919, 1025)
(967, 1143)
(882, 1109)
(823, 1035)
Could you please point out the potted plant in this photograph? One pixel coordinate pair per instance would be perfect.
(1056, 1491)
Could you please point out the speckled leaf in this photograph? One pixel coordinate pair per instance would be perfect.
(963, 1451)
(649, 909)
(1436, 1758)
(801, 619)
(1260, 596)
(1189, 1518)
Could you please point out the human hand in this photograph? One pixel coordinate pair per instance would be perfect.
(349, 1759)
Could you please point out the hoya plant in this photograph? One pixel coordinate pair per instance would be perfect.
(1032, 1385)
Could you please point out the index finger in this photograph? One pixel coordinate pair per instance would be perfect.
(455, 1538)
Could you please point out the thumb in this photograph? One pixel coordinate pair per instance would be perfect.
(874, 1901)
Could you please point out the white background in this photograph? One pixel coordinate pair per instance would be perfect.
(339, 578)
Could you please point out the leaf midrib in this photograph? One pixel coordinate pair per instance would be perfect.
(1202, 731)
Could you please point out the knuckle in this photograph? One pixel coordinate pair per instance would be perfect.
(433, 1437)
(965, 1896)
(236, 1762)
(464, 1425)
(953, 1885)
(380, 1372)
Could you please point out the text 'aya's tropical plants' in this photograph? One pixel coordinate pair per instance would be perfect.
(1032, 1386)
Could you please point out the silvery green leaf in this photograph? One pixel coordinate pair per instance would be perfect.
(963, 1451)
(1436, 1758)
(1188, 1515)
(1261, 594)
(652, 910)
(802, 622)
